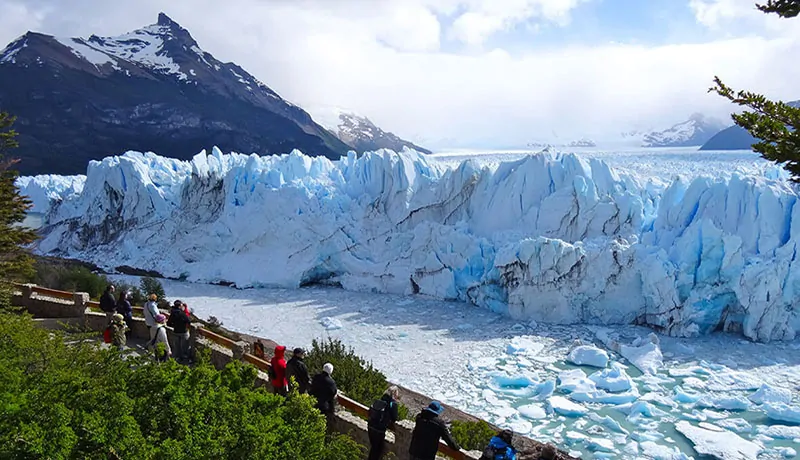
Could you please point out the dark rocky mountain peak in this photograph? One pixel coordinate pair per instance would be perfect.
(152, 89)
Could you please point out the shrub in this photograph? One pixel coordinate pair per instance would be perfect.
(149, 285)
(78, 401)
(353, 374)
(472, 435)
(69, 277)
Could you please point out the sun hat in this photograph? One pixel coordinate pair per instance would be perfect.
(160, 318)
(435, 407)
(117, 318)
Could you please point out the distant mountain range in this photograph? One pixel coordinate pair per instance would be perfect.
(735, 137)
(695, 131)
(358, 132)
(153, 89)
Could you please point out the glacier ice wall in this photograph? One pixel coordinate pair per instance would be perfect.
(549, 237)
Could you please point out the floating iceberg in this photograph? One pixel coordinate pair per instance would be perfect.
(587, 355)
(549, 237)
(718, 443)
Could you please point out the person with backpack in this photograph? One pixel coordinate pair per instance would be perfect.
(323, 387)
(429, 429)
(296, 369)
(277, 371)
(161, 337)
(500, 447)
(107, 302)
(382, 415)
(118, 330)
(179, 323)
(150, 312)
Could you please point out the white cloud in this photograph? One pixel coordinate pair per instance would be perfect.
(385, 60)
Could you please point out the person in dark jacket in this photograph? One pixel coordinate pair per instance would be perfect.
(297, 369)
(125, 309)
(382, 415)
(323, 387)
(179, 323)
(500, 447)
(428, 430)
(107, 302)
(278, 363)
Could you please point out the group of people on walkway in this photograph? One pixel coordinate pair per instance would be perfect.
(165, 343)
(383, 414)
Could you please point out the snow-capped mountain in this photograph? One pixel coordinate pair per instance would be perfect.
(693, 132)
(359, 132)
(155, 89)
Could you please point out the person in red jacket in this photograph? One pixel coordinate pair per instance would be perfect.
(278, 371)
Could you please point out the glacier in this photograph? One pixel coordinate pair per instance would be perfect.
(551, 237)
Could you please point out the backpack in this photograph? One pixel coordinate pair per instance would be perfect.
(271, 373)
(107, 335)
(379, 415)
(491, 453)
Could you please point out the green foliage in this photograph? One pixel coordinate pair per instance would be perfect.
(352, 373)
(783, 8)
(67, 277)
(149, 285)
(77, 401)
(138, 297)
(341, 447)
(472, 435)
(774, 123)
(16, 263)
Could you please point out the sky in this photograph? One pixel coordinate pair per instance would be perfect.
(473, 73)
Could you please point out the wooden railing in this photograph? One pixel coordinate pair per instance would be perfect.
(348, 404)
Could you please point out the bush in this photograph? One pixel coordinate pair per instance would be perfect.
(353, 374)
(69, 277)
(472, 435)
(149, 285)
(78, 401)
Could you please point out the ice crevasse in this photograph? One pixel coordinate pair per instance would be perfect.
(550, 237)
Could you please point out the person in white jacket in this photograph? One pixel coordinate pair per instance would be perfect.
(161, 337)
(150, 313)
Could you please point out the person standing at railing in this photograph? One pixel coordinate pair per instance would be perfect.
(125, 308)
(296, 369)
(323, 387)
(277, 371)
(107, 302)
(382, 415)
(179, 323)
(429, 429)
(150, 312)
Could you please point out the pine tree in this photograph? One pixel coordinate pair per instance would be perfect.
(774, 123)
(16, 263)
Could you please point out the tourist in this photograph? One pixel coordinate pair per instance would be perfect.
(161, 338)
(118, 330)
(278, 371)
(125, 308)
(500, 447)
(150, 312)
(323, 387)
(187, 311)
(382, 415)
(179, 323)
(296, 369)
(429, 429)
(107, 302)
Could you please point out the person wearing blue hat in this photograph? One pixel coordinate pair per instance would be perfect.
(429, 429)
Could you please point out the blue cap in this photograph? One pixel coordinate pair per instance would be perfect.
(435, 407)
